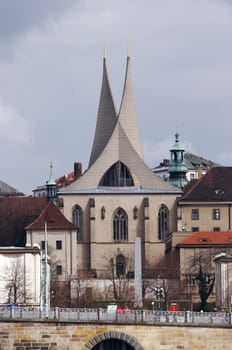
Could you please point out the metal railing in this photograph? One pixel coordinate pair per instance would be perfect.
(102, 315)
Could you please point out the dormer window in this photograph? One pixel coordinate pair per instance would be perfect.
(204, 239)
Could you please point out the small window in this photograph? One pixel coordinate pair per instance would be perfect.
(59, 270)
(216, 229)
(216, 214)
(195, 214)
(58, 245)
(192, 177)
(190, 280)
(195, 229)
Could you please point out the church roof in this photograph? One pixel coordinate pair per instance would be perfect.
(117, 140)
(15, 214)
(215, 185)
(53, 217)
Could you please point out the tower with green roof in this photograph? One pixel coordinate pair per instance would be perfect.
(177, 168)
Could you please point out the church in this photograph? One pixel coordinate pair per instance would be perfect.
(118, 198)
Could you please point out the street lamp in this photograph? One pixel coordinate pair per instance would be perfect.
(153, 305)
(159, 294)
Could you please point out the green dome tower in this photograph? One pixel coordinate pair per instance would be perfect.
(177, 168)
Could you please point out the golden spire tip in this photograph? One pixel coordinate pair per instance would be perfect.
(128, 49)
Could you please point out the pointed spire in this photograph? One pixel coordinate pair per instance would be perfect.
(127, 114)
(51, 180)
(51, 186)
(104, 55)
(106, 119)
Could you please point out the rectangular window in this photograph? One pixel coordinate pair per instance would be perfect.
(216, 214)
(190, 280)
(59, 270)
(58, 245)
(192, 177)
(216, 229)
(195, 214)
(195, 229)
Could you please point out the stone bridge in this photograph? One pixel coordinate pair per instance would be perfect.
(51, 335)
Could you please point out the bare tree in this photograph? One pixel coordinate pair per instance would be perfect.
(200, 269)
(118, 272)
(166, 284)
(17, 285)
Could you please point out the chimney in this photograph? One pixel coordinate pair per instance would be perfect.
(77, 170)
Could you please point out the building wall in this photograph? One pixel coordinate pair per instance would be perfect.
(56, 336)
(66, 257)
(98, 243)
(205, 221)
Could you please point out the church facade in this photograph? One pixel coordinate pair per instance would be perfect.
(118, 198)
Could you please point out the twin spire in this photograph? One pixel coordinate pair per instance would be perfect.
(108, 120)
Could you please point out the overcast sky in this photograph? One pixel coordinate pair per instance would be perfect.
(51, 70)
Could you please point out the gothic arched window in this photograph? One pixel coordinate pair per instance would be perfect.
(120, 265)
(120, 225)
(163, 222)
(77, 219)
(118, 175)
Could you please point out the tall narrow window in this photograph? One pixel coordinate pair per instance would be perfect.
(43, 245)
(59, 270)
(163, 222)
(58, 245)
(120, 226)
(77, 219)
(120, 265)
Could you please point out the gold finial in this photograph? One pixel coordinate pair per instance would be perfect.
(128, 49)
(104, 51)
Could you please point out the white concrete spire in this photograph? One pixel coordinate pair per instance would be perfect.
(106, 118)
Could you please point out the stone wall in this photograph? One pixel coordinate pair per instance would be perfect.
(74, 336)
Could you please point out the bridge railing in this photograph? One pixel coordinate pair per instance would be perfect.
(103, 315)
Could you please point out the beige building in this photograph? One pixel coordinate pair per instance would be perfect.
(118, 198)
(60, 234)
(207, 205)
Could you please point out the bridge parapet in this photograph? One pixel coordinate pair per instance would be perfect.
(128, 317)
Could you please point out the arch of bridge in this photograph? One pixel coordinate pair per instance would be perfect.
(132, 341)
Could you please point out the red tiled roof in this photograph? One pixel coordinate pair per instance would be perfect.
(65, 180)
(207, 239)
(215, 185)
(53, 217)
(16, 213)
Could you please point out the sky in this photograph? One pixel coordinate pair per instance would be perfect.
(51, 55)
